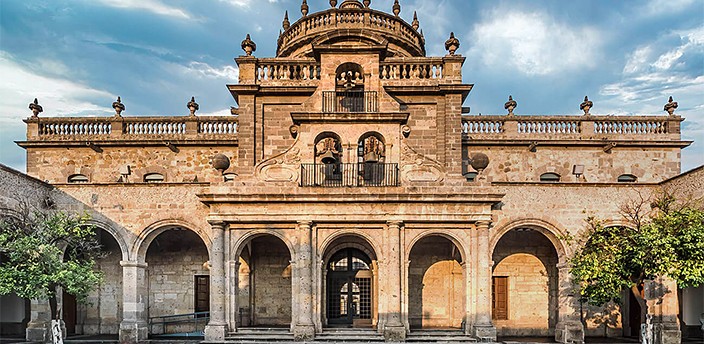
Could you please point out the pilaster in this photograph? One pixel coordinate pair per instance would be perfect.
(134, 328)
(217, 327)
(569, 328)
(38, 328)
(304, 330)
(394, 330)
(483, 327)
(663, 307)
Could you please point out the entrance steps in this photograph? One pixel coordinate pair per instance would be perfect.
(348, 335)
(439, 336)
(259, 335)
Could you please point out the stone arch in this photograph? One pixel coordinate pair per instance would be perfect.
(116, 234)
(329, 249)
(241, 243)
(550, 231)
(449, 236)
(145, 238)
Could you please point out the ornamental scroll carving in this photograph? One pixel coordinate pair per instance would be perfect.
(283, 167)
(416, 167)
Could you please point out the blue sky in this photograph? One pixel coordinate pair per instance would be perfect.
(76, 56)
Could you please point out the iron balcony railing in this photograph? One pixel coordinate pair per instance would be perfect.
(352, 175)
(350, 101)
(179, 325)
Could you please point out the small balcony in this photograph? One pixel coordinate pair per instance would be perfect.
(350, 175)
(350, 101)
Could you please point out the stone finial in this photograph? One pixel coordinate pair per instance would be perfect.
(36, 108)
(249, 46)
(452, 44)
(586, 105)
(286, 23)
(333, 3)
(118, 106)
(396, 8)
(415, 23)
(193, 106)
(669, 107)
(367, 3)
(304, 8)
(510, 105)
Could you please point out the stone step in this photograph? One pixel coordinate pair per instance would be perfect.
(346, 335)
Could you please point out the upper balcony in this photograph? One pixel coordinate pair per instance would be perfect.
(104, 130)
(486, 129)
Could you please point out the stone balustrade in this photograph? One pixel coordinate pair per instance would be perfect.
(411, 68)
(273, 69)
(333, 19)
(572, 127)
(129, 128)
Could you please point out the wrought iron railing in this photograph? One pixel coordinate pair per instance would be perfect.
(350, 101)
(352, 175)
(183, 325)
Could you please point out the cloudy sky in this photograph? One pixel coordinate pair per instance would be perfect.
(76, 56)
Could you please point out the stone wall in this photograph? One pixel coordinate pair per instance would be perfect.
(271, 284)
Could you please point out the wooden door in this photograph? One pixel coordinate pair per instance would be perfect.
(202, 294)
(499, 298)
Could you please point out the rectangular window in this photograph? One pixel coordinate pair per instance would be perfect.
(202, 293)
(499, 298)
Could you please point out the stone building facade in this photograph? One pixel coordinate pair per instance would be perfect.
(350, 194)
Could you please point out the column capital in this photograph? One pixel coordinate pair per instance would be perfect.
(394, 223)
(217, 224)
(562, 265)
(304, 223)
(482, 224)
(133, 264)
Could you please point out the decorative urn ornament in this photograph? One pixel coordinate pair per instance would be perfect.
(193, 106)
(249, 46)
(396, 8)
(586, 105)
(118, 106)
(452, 44)
(510, 105)
(286, 23)
(670, 106)
(304, 8)
(333, 3)
(367, 3)
(36, 108)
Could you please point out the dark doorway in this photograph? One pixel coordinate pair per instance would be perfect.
(69, 312)
(634, 312)
(202, 294)
(499, 297)
(349, 288)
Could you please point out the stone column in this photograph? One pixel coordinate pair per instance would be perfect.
(483, 327)
(394, 331)
(661, 298)
(217, 327)
(134, 328)
(569, 328)
(38, 328)
(304, 330)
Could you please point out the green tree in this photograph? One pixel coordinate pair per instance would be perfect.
(664, 238)
(41, 252)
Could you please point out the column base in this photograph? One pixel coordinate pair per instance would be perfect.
(37, 331)
(569, 332)
(665, 334)
(485, 333)
(303, 333)
(395, 333)
(215, 332)
(133, 332)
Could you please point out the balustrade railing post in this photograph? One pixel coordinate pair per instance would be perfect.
(452, 68)
(116, 126)
(673, 127)
(586, 128)
(32, 127)
(510, 127)
(248, 69)
(192, 126)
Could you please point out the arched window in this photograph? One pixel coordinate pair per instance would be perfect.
(153, 178)
(371, 148)
(627, 178)
(550, 177)
(78, 178)
(328, 148)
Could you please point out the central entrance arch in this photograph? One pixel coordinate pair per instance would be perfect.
(349, 288)
(350, 283)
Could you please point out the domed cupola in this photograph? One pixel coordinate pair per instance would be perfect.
(353, 23)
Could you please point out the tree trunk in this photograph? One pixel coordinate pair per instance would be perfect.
(56, 334)
(643, 306)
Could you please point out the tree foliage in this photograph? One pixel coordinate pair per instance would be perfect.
(663, 238)
(41, 251)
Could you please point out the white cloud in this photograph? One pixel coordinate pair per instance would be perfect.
(58, 96)
(533, 43)
(205, 70)
(154, 6)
